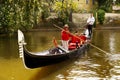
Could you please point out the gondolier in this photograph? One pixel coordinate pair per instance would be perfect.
(90, 22)
(65, 36)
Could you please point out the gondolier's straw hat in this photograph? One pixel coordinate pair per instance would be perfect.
(66, 26)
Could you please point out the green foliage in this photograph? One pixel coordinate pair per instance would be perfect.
(95, 16)
(15, 14)
(106, 5)
(101, 16)
(45, 10)
(64, 8)
(118, 2)
(106, 8)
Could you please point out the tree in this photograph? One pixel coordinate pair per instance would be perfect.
(64, 9)
(101, 16)
(105, 5)
(15, 14)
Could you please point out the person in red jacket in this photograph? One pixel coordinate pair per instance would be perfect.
(75, 40)
(65, 35)
(83, 38)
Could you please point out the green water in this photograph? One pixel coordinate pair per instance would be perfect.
(96, 65)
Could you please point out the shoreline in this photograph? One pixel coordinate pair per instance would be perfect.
(97, 28)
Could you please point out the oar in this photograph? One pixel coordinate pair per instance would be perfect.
(99, 49)
(80, 39)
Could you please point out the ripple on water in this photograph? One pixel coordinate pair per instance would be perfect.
(85, 70)
(114, 60)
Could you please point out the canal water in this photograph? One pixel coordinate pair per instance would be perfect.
(94, 65)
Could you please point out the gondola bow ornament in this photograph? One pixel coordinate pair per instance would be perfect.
(21, 42)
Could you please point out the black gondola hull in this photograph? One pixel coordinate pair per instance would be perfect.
(35, 61)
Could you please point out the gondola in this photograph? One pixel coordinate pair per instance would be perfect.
(47, 57)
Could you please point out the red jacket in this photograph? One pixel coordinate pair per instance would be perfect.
(64, 35)
(83, 37)
(75, 39)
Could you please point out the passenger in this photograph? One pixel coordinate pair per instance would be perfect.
(83, 38)
(65, 35)
(86, 33)
(75, 40)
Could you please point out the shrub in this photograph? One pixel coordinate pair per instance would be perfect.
(101, 16)
(64, 9)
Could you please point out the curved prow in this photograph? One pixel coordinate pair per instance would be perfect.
(21, 42)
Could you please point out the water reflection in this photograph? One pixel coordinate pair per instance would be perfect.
(93, 66)
(40, 40)
(112, 43)
(114, 60)
(8, 47)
